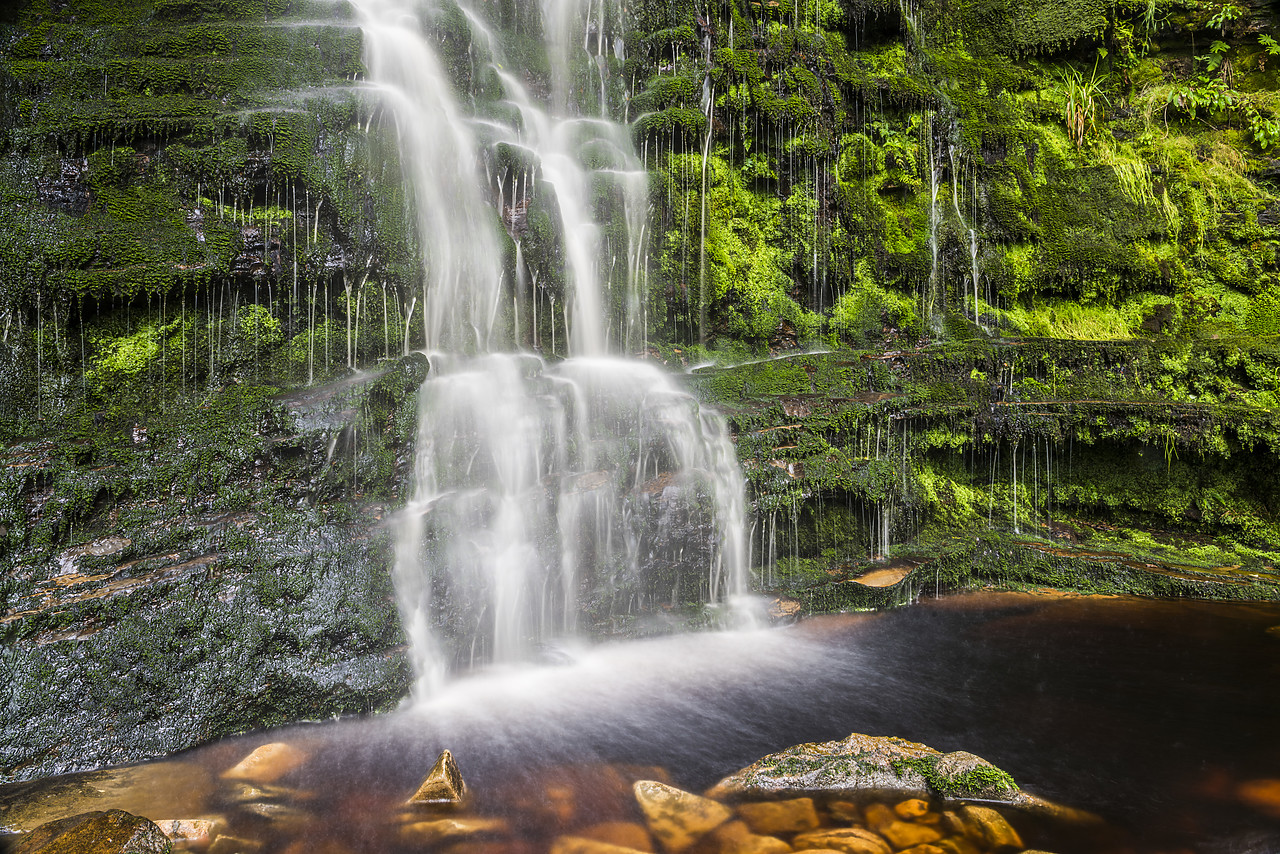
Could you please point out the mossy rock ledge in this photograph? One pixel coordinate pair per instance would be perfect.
(862, 767)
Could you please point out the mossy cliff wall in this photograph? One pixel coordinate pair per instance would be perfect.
(200, 212)
(1063, 169)
(1043, 237)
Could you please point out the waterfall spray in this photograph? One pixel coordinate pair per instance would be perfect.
(536, 485)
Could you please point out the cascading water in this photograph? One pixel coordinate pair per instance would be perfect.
(541, 490)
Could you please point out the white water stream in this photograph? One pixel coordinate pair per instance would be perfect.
(540, 488)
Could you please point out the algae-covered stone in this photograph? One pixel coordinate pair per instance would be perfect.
(965, 775)
(863, 766)
(110, 832)
(443, 786)
(677, 818)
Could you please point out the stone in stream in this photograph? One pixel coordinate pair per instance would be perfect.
(267, 763)
(451, 829)
(990, 829)
(110, 832)
(847, 840)
(957, 845)
(583, 845)
(907, 834)
(677, 818)
(179, 788)
(1263, 795)
(227, 844)
(443, 787)
(863, 766)
(771, 817)
(878, 815)
(625, 834)
(911, 809)
(734, 837)
(191, 832)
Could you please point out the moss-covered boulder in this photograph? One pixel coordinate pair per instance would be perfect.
(862, 767)
(110, 832)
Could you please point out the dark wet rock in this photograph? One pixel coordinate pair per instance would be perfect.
(200, 592)
(862, 766)
(110, 832)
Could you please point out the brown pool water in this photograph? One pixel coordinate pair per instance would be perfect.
(1159, 717)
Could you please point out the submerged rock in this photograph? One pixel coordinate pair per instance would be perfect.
(583, 845)
(677, 818)
(734, 837)
(110, 832)
(862, 766)
(267, 763)
(451, 829)
(770, 817)
(624, 834)
(191, 832)
(847, 840)
(990, 829)
(443, 786)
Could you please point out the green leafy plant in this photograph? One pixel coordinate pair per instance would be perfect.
(1080, 100)
(1270, 47)
(1225, 15)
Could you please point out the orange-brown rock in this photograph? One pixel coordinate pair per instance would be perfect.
(267, 763)
(443, 786)
(771, 817)
(582, 845)
(735, 837)
(957, 845)
(878, 815)
(625, 834)
(845, 812)
(191, 832)
(848, 840)
(906, 834)
(1263, 795)
(445, 829)
(676, 818)
(911, 809)
(990, 829)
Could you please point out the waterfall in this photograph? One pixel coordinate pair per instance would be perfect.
(542, 490)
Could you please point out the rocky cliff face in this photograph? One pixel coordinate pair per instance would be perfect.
(1044, 238)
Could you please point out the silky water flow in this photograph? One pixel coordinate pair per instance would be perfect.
(539, 487)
